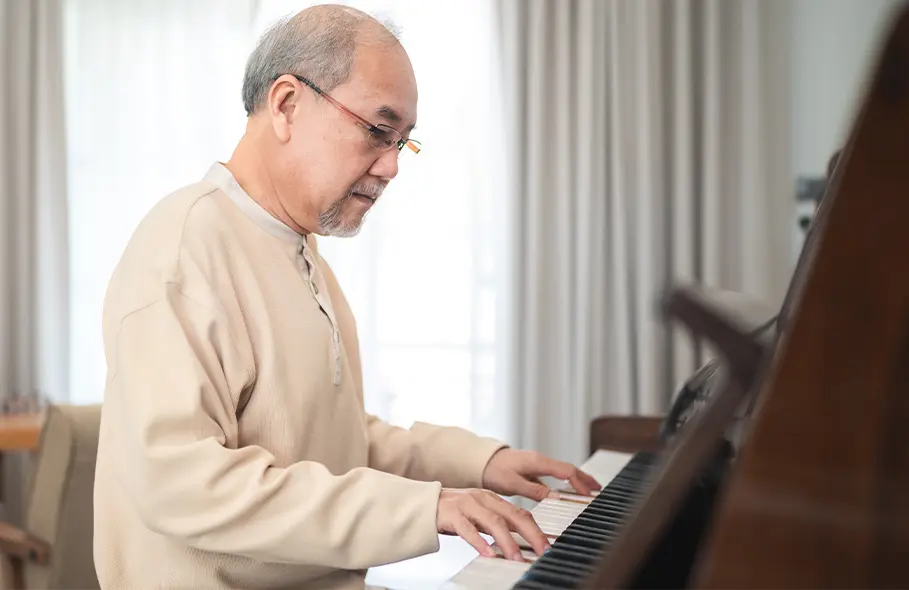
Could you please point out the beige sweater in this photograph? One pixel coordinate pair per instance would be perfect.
(235, 451)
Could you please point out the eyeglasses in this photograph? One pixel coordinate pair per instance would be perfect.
(382, 137)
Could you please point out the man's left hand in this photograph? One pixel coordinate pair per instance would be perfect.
(511, 472)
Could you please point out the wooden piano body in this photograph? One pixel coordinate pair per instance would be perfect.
(816, 495)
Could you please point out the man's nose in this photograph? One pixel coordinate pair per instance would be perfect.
(386, 165)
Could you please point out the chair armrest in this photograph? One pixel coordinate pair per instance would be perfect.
(17, 543)
(625, 434)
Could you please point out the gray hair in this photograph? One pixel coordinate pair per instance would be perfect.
(318, 43)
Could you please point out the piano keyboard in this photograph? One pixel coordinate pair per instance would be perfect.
(580, 529)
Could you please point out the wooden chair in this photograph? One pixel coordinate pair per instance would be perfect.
(54, 549)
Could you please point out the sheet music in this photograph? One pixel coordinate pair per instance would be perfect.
(605, 465)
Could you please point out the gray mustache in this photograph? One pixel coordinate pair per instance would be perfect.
(371, 190)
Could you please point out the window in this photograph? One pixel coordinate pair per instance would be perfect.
(153, 95)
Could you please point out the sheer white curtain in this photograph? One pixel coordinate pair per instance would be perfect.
(153, 88)
(33, 241)
(648, 145)
(152, 97)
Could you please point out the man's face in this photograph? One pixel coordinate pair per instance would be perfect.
(332, 173)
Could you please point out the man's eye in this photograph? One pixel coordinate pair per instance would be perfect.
(385, 138)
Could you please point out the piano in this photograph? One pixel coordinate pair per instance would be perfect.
(787, 466)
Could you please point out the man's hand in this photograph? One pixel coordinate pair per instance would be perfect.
(467, 513)
(515, 473)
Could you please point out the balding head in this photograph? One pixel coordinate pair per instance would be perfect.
(332, 99)
(319, 43)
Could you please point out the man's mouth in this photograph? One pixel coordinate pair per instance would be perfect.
(369, 198)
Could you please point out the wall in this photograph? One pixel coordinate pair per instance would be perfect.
(834, 44)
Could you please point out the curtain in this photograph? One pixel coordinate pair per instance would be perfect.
(153, 92)
(647, 147)
(33, 274)
(33, 229)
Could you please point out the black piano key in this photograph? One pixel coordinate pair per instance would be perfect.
(573, 553)
(597, 521)
(553, 582)
(602, 521)
(599, 535)
(555, 579)
(533, 585)
(598, 525)
(586, 537)
(566, 568)
(617, 512)
(607, 510)
(581, 540)
(622, 494)
(612, 501)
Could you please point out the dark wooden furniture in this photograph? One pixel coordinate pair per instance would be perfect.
(625, 434)
(818, 496)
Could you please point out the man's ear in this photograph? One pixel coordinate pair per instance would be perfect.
(282, 105)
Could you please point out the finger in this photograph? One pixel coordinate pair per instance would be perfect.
(592, 483)
(543, 465)
(522, 522)
(467, 531)
(579, 485)
(533, 489)
(494, 524)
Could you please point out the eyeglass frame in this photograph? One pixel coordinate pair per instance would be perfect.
(412, 144)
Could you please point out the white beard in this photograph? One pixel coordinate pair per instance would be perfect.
(331, 224)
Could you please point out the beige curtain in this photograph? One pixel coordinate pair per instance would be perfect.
(33, 224)
(648, 146)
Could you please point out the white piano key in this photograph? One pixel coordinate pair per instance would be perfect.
(557, 507)
(528, 555)
(568, 495)
(553, 517)
(489, 573)
(557, 514)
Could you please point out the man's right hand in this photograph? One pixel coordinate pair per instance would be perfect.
(467, 513)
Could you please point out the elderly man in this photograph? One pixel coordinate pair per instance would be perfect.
(235, 451)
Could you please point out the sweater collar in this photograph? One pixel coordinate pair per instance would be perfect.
(222, 178)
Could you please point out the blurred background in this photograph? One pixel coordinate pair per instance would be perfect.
(580, 157)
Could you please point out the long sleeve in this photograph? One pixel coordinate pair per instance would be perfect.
(426, 452)
(175, 387)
